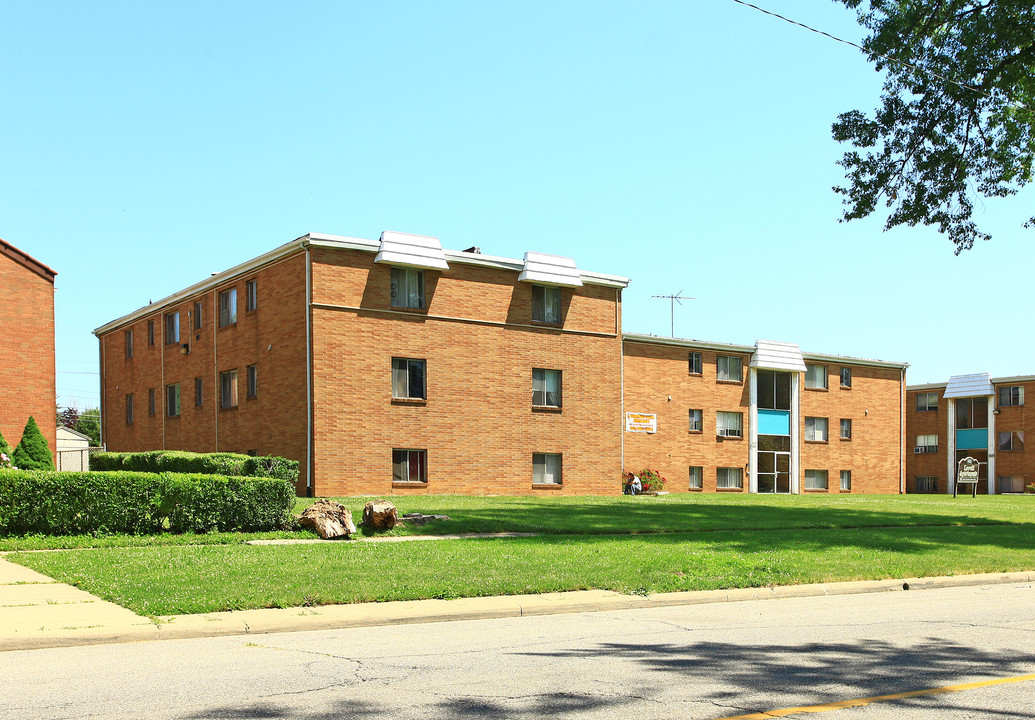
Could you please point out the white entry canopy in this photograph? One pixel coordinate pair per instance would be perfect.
(416, 251)
(773, 355)
(550, 270)
(969, 386)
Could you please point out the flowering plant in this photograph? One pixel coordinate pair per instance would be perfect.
(5, 461)
(650, 480)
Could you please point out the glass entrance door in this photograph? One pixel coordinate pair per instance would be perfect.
(774, 472)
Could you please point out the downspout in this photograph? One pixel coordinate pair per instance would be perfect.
(902, 432)
(165, 410)
(309, 491)
(104, 413)
(621, 369)
(217, 395)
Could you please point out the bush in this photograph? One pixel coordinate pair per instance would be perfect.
(102, 502)
(6, 449)
(650, 480)
(177, 461)
(32, 452)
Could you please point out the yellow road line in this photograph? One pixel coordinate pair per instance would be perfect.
(879, 698)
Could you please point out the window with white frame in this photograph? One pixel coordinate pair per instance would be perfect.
(410, 466)
(729, 424)
(1009, 441)
(846, 479)
(1011, 395)
(816, 377)
(228, 307)
(815, 479)
(694, 361)
(172, 328)
(926, 401)
(696, 477)
(815, 429)
(172, 400)
(729, 368)
(546, 468)
(546, 304)
(228, 389)
(846, 377)
(729, 477)
(1010, 484)
(926, 444)
(408, 288)
(696, 421)
(846, 428)
(408, 382)
(546, 388)
(251, 295)
(926, 483)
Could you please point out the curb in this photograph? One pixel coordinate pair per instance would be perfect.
(126, 627)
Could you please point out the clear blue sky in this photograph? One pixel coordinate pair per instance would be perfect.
(685, 145)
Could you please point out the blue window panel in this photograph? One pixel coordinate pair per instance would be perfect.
(774, 422)
(976, 439)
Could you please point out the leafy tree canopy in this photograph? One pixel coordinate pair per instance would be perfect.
(957, 114)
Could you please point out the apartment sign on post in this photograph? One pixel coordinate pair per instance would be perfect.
(641, 422)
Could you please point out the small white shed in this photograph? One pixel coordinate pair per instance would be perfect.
(73, 449)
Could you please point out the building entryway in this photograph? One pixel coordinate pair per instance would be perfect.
(774, 464)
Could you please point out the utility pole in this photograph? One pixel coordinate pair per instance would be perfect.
(673, 299)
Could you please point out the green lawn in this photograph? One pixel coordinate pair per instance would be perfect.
(643, 545)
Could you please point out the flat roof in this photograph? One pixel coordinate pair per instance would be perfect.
(1005, 380)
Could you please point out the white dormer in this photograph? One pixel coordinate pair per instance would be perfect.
(772, 355)
(550, 270)
(415, 251)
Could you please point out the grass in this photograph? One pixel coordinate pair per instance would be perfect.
(631, 545)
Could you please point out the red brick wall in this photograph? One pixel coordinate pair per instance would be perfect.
(480, 346)
(1015, 418)
(26, 351)
(927, 422)
(271, 337)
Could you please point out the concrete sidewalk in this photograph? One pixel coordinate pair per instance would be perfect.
(37, 612)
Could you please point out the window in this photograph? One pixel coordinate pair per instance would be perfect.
(546, 388)
(694, 360)
(696, 424)
(815, 479)
(198, 392)
(408, 379)
(407, 288)
(129, 409)
(253, 381)
(846, 479)
(971, 413)
(729, 477)
(228, 307)
(926, 401)
(251, 295)
(926, 483)
(926, 444)
(172, 400)
(1008, 484)
(546, 304)
(846, 377)
(228, 389)
(846, 429)
(150, 333)
(729, 424)
(696, 477)
(1012, 395)
(728, 368)
(150, 401)
(196, 322)
(815, 429)
(1011, 440)
(816, 377)
(129, 343)
(546, 469)
(409, 466)
(774, 390)
(172, 328)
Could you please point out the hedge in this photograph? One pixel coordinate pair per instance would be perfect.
(177, 461)
(80, 503)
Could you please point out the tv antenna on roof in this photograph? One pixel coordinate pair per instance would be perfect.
(673, 299)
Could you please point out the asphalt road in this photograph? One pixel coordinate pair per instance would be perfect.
(704, 661)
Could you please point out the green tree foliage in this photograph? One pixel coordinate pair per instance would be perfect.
(957, 118)
(32, 452)
(87, 421)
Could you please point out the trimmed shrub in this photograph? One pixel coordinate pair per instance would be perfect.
(105, 502)
(32, 452)
(178, 461)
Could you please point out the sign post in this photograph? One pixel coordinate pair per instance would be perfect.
(968, 470)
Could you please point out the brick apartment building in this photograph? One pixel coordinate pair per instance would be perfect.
(764, 418)
(27, 386)
(395, 366)
(970, 415)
